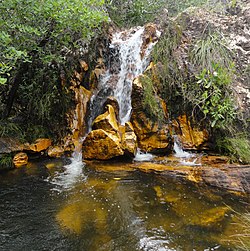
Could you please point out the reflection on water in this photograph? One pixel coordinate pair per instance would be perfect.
(112, 211)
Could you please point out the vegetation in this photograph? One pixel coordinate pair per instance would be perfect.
(6, 161)
(151, 103)
(237, 146)
(138, 12)
(40, 43)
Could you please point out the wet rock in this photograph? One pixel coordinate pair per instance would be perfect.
(39, 145)
(114, 103)
(191, 137)
(209, 218)
(150, 35)
(55, 151)
(152, 136)
(20, 159)
(106, 121)
(129, 140)
(102, 145)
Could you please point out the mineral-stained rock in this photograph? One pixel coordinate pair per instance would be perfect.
(152, 136)
(209, 218)
(191, 137)
(106, 121)
(129, 140)
(55, 151)
(20, 159)
(102, 145)
(114, 103)
(39, 145)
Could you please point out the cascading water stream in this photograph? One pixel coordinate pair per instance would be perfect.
(186, 158)
(128, 60)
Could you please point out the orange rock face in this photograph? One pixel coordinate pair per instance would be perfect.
(102, 145)
(190, 136)
(39, 145)
(20, 159)
(151, 135)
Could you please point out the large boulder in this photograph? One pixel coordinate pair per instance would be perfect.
(152, 136)
(109, 139)
(101, 145)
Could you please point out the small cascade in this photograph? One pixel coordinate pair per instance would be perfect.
(129, 57)
(179, 152)
(141, 156)
(186, 158)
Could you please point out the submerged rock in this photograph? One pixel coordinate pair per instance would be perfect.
(20, 159)
(209, 218)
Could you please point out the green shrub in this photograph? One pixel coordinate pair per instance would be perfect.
(238, 147)
(6, 161)
(212, 95)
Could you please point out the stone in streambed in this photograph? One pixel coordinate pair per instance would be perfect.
(20, 159)
(55, 151)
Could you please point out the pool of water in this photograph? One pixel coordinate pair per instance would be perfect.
(65, 205)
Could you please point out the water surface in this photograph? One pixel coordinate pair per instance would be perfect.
(55, 205)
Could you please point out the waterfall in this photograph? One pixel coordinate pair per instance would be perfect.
(128, 59)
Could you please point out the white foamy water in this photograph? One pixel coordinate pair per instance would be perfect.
(190, 162)
(179, 152)
(72, 173)
(127, 61)
(141, 156)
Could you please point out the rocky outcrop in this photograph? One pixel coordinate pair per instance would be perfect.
(109, 139)
(191, 137)
(106, 121)
(20, 159)
(8, 145)
(55, 151)
(152, 136)
(39, 145)
(102, 145)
